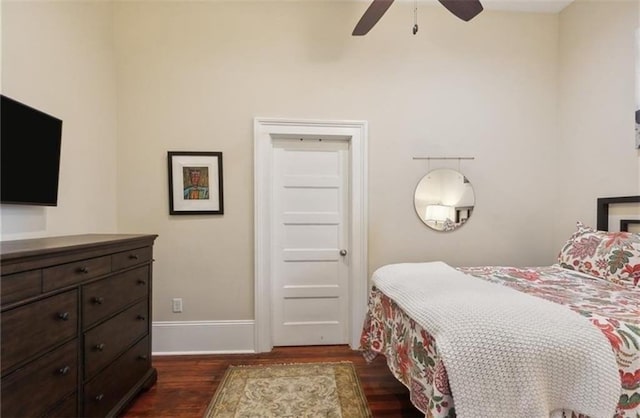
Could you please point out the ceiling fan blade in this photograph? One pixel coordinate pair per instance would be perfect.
(371, 16)
(464, 9)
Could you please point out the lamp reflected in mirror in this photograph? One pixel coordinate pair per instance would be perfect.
(444, 199)
(437, 213)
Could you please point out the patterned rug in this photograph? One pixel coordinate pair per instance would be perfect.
(299, 390)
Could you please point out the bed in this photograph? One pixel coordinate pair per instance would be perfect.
(597, 276)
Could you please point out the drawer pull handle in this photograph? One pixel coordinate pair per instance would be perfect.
(83, 269)
(63, 316)
(99, 347)
(99, 397)
(141, 282)
(142, 357)
(97, 300)
(140, 318)
(133, 256)
(64, 370)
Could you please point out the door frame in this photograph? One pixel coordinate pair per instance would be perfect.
(265, 131)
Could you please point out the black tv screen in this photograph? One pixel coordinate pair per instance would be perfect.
(30, 142)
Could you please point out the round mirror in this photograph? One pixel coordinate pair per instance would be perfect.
(444, 199)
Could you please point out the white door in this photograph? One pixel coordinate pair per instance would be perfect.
(310, 272)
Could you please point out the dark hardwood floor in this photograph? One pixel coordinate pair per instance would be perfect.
(187, 383)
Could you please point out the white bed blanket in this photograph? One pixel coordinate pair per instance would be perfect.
(507, 354)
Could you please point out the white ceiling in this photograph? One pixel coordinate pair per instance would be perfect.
(540, 6)
(536, 6)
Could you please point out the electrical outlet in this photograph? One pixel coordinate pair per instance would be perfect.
(177, 305)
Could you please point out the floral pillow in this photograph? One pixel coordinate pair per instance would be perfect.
(614, 256)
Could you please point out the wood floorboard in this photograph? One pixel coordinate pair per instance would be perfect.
(186, 384)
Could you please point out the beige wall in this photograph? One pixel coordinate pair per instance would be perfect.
(193, 75)
(596, 83)
(58, 57)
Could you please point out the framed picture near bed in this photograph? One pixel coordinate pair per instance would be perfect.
(637, 72)
(195, 183)
(627, 220)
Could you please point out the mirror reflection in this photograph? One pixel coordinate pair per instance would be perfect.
(444, 199)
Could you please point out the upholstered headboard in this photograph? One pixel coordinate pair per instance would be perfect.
(603, 212)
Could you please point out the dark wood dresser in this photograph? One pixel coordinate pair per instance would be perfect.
(75, 324)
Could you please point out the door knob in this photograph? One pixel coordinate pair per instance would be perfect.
(343, 252)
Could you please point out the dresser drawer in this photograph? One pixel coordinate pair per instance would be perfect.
(68, 408)
(72, 273)
(21, 286)
(36, 388)
(107, 296)
(37, 327)
(130, 258)
(106, 341)
(107, 388)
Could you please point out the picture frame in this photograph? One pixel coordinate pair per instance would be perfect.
(637, 82)
(195, 183)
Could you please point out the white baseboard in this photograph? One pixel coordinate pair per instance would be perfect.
(202, 337)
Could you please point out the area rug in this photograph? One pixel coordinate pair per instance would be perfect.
(298, 390)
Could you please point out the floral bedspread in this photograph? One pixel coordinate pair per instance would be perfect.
(412, 353)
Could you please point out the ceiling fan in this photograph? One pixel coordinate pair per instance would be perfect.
(463, 9)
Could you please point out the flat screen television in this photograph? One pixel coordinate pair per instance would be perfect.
(30, 143)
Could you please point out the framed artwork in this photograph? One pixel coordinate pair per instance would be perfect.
(195, 183)
(637, 72)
